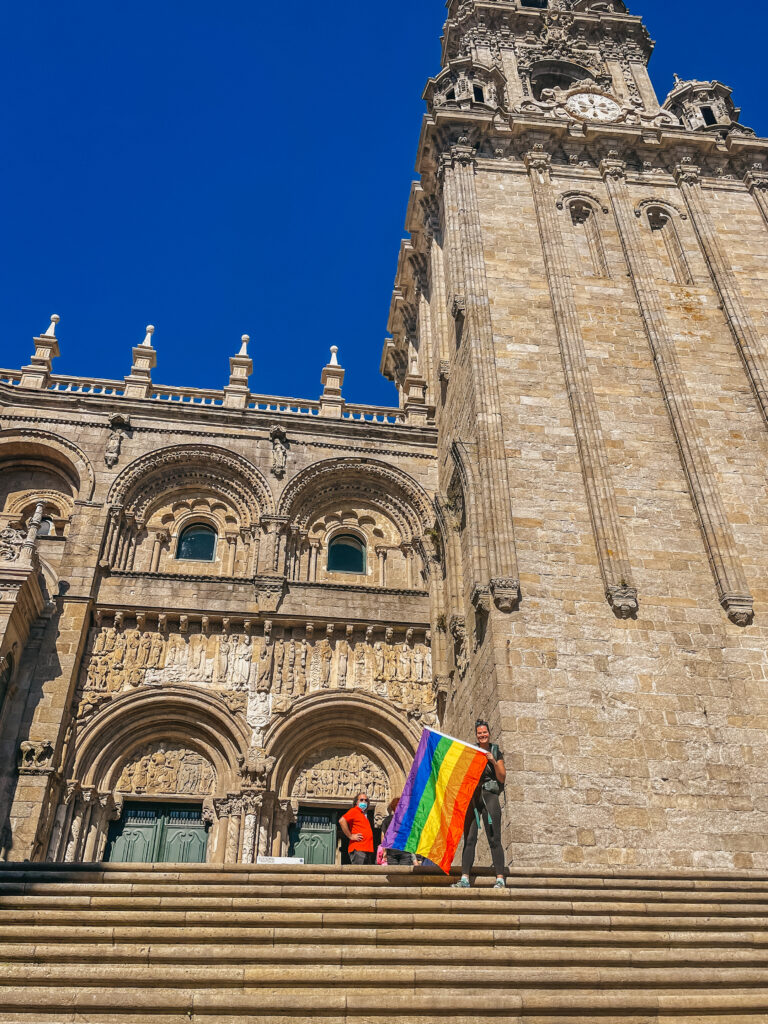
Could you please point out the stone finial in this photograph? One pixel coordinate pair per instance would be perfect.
(37, 373)
(51, 330)
(139, 383)
(238, 391)
(332, 379)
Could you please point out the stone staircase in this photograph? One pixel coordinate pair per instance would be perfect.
(174, 944)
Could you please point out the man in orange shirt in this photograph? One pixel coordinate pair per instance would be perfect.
(357, 829)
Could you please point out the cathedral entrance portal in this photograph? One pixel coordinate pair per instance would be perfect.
(149, 833)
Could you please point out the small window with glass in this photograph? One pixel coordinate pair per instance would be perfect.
(197, 544)
(346, 553)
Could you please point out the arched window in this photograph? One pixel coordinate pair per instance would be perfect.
(47, 529)
(197, 544)
(346, 553)
(663, 227)
(584, 220)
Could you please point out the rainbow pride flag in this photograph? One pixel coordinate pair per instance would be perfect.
(430, 816)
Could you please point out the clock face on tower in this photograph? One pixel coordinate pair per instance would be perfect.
(591, 106)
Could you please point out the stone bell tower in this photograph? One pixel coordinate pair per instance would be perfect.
(580, 296)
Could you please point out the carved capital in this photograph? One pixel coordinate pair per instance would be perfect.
(538, 161)
(739, 608)
(613, 169)
(481, 598)
(506, 593)
(36, 758)
(687, 173)
(623, 600)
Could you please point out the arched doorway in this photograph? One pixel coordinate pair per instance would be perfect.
(333, 746)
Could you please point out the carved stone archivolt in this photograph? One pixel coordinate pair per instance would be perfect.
(340, 775)
(160, 769)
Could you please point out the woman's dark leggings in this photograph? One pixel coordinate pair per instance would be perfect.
(487, 803)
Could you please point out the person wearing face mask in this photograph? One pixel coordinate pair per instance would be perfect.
(485, 808)
(357, 829)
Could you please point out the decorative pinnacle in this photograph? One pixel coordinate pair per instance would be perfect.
(244, 347)
(147, 343)
(51, 331)
(334, 351)
(414, 364)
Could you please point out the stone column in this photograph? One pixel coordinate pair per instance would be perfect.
(610, 542)
(233, 832)
(313, 559)
(231, 553)
(160, 538)
(251, 806)
(381, 554)
(730, 580)
(223, 809)
(494, 565)
(748, 343)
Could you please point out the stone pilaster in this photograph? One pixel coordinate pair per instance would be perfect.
(748, 344)
(495, 564)
(609, 535)
(716, 531)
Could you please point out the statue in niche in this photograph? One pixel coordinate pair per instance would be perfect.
(198, 649)
(418, 663)
(156, 651)
(176, 648)
(428, 664)
(279, 451)
(378, 654)
(325, 652)
(279, 661)
(404, 663)
(390, 663)
(100, 642)
(343, 664)
(290, 674)
(145, 647)
(225, 647)
(242, 668)
(301, 682)
(265, 666)
(131, 647)
(361, 665)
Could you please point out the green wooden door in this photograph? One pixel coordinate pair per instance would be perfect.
(313, 837)
(158, 834)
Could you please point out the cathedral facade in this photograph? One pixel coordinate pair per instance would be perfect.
(222, 613)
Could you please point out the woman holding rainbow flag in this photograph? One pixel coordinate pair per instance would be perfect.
(485, 807)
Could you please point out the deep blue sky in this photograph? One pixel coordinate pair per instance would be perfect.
(238, 167)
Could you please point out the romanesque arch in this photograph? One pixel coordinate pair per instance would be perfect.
(376, 502)
(58, 451)
(339, 733)
(176, 743)
(163, 493)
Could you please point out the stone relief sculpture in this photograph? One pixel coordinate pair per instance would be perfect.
(259, 675)
(160, 769)
(10, 545)
(335, 775)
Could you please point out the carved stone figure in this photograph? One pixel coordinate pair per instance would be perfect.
(242, 667)
(326, 660)
(404, 663)
(10, 545)
(343, 664)
(265, 666)
(418, 663)
(156, 652)
(279, 451)
(112, 450)
(335, 775)
(161, 769)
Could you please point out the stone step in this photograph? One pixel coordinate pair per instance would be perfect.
(302, 976)
(400, 1000)
(365, 920)
(104, 944)
(252, 953)
(494, 906)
